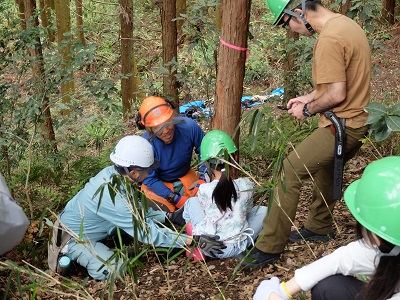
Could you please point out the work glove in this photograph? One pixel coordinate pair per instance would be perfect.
(208, 243)
(267, 287)
(203, 173)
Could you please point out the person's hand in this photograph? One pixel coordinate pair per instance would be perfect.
(209, 244)
(174, 198)
(267, 287)
(297, 111)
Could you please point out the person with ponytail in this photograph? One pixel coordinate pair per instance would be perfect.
(374, 201)
(224, 206)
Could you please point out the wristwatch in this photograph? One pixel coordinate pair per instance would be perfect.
(306, 113)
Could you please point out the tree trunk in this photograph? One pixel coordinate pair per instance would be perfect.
(344, 7)
(38, 72)
(45, 16)
(169, 45)
(137, 93)
(388, 11)
(79, 21)
(218, 17)
(21, 12)
(127, 66)
(63, 17)
(231, 67)
(180, 9)
(290, 88)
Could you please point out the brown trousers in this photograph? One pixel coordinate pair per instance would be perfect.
(315, 155)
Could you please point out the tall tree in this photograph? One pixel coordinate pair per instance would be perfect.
(345, 6)
(388, 10)
(45, 16)
(38, 71)
(290, 88)
(231, 65)
(63, 16)
(127, 61)
(21, 12)
(218, 16)
(79, 21)
(180, 9)
(169, 45)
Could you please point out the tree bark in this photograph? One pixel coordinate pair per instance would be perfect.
(127, 65)
(180, 9)
(231, 66)
(63, 16)
(45, 17)
(218, 16)
(344, 7)
(289, 68)
(21, 12)
(79, 21)
(38, 72)
(388, 11)
(169, 45)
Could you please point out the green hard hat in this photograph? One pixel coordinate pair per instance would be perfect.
(374, 199)
(277, 7)
(214, 143)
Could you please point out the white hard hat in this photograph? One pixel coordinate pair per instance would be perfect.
(134, 150)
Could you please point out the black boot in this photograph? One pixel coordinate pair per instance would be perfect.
(176, 217)
(257, 258)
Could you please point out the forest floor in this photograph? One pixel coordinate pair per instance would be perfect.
(182, 279)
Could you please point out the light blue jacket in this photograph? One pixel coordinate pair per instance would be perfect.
(100, 221)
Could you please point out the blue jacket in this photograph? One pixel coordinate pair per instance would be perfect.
(175, 158)
(100, 222)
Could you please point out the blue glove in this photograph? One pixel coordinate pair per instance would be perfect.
(267, 287)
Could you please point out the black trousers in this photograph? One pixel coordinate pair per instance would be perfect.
(338, 287)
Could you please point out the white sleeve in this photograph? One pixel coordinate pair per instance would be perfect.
(354, 258)
(13, 221)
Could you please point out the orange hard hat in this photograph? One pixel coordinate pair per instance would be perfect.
(155, 111)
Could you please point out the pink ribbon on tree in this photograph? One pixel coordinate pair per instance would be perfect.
(235, 47)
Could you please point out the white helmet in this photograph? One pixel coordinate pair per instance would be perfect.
(134, 150)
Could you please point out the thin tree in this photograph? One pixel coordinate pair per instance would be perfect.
(345, 6)
(21, 12)
(38, 72)
(231, 65)
(180, 9)
(218, 16)
(79, 21)
(388, 11)
(127, 58)
(63, 16)
(289, 67)
(45, 16)
(169, 45)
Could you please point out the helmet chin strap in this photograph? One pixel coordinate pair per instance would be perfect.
(301, 16)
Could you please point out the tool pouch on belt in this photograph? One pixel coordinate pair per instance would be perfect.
(58, 239)
(190, 183)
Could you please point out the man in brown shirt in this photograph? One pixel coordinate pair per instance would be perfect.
(341, 73)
